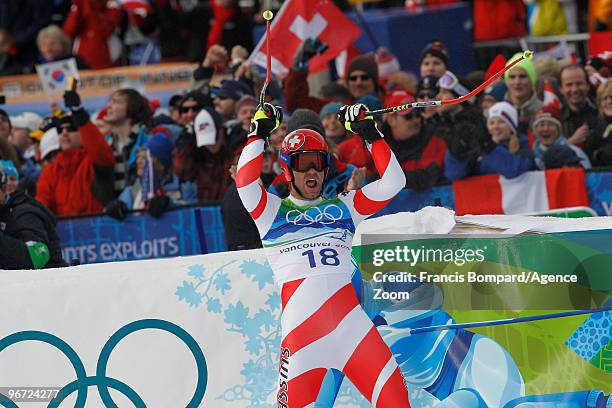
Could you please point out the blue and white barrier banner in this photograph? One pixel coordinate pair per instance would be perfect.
(187, 231)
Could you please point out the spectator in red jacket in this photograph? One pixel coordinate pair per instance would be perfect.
(92, 23)
(68, 184)
(419, 152)
(489, 26)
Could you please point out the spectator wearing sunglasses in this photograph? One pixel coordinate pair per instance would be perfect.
(72, 182)
(494, 149)
(361, 80)
(189, 107)
(521, 81)
(419, 152)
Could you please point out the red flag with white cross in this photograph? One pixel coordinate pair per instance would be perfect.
(298, 20)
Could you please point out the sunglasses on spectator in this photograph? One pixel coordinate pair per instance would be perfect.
(195, 109)
(222, 97)
(363, 77)
(303, 161)
(68, 127)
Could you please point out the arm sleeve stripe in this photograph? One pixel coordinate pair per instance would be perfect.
(257, 211)
(365, 206)
(382, 155)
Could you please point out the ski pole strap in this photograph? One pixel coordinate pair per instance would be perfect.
(457, 326)
(526, 54)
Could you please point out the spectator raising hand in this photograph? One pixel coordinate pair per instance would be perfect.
(93, 24)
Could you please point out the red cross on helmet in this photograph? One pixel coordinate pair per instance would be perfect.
(301, 150)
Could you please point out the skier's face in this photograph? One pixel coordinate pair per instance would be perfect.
(308, 183)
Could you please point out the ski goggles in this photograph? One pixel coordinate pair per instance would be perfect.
(304, 161)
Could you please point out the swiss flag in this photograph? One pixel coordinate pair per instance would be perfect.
(534, 191)
(298, 20)
(550, 97)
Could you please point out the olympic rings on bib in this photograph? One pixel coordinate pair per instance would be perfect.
(314, 215)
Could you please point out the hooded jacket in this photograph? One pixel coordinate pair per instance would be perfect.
(28, 239)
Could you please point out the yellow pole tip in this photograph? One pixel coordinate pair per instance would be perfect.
(267, 15)
(528, 54)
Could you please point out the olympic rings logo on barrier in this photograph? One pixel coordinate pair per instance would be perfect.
(313, 215)
(100, 380)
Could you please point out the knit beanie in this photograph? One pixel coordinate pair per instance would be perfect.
(9, 168)
(161, 147)
(550, 113)
(246, 100)
(387, 62)
(365, 63)
(526, 64)
(436, 49)
(332, 107)
(305, 119)
(505, 112)
(497, 91)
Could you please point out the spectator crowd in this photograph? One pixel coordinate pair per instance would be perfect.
(133, 155)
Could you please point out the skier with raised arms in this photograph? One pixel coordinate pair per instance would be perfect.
(308, 243)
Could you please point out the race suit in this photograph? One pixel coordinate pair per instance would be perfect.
(308, 244)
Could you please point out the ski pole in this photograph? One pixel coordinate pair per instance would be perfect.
(458, 326)
(267, 15)
(426, 104)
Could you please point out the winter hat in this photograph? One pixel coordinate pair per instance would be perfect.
(9, 168)
(397, 98)
(497, 65)
(497, 91)
(549, 113)
(526, 64)
(161, 147)
(365, 63)
(206, 126)
(330, 108)
(559, 156)
(233, 90)
(372, 102)
(387, 62)
(196, 96)
(505, 112)
(49, 142)
(305, 119)
(436, 49)
(26, 120)
(246, 100)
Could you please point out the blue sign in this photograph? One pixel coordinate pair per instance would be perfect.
(187, 231)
